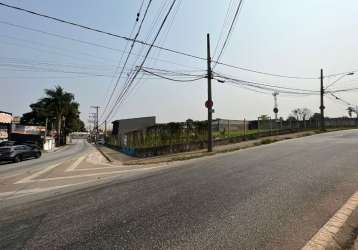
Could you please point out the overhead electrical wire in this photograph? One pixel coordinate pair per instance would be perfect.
(96, 30)
(226, 19)
(83, 42)
(173, 79)
(162, 40)
(343, 90)
(150, 32)
(238, 9)
(221, 76)
(148, 44)
(132, 77)
(128, 56)
(340, 99)
(135, 74)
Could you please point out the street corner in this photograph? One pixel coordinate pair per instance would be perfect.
(84, 169)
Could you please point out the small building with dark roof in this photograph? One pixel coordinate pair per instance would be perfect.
(127, 125)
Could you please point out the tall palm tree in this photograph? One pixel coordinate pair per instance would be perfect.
(350, 111)
(59, 103)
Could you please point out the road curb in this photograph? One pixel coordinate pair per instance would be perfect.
(340, 231)
(103, 154)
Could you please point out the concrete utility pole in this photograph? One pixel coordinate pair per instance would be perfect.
(322, 103)
(105, 129)
(209, 102)
(46, 129)
(96, 122)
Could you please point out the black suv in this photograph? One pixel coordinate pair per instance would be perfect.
(18, 153)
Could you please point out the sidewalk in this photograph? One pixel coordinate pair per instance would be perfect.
(116, 156)
(113, 155)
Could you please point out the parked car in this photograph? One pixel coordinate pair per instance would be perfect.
(101, 141)
(18, 153)
(8, 143)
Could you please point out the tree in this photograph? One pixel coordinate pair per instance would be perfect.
(350, 111)
(58, 107)
(306, 114)
(296, 113)
(291, 118)
(302, 113)
(315, 116)
(264, 117)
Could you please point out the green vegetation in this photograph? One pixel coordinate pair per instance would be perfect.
(60, 111)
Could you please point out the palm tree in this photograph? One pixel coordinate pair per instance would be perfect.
(350, 111)
(59, 103)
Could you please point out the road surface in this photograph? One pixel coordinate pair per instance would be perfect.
(269, 197)
(76, 148)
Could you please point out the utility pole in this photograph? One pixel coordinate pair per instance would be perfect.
(96, 122)
(46, 128)
(105, 129)
(209, 102)
(322, 103)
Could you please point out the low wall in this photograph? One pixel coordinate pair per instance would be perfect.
(177, 148)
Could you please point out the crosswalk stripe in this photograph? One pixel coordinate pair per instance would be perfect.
(75, 164)
(30, 178)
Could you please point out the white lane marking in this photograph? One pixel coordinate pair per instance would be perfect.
(75, 164)
(10, 176)
(90, 175)
(102, 168)
(325, 236)
(10, 195)
(37, 174)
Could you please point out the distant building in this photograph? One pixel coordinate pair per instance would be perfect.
(16, 119)
(127, 125)
(5, 125)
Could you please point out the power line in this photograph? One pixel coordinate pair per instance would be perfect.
(170, 50)
(230, 31)
(340, 99)
(343, 90)
(223, 26)
(125, 90)
(98, 30)
(156, 46)
(127, 87)
(84, 42)
(128, 56)
(265, 73)
(172, 79)
(160, 42)
(339, 78)
(264, 84)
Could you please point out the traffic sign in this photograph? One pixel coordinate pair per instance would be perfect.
(209, 104)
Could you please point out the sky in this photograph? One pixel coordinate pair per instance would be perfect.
(282, 37)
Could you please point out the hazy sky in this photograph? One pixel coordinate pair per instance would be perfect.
(277, 36)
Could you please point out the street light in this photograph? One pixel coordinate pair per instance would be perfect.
(340, 78)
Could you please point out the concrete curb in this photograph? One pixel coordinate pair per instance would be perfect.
(340, 231)
(103, 154)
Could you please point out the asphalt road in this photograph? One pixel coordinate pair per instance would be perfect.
(268, 197)
(77, 147)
